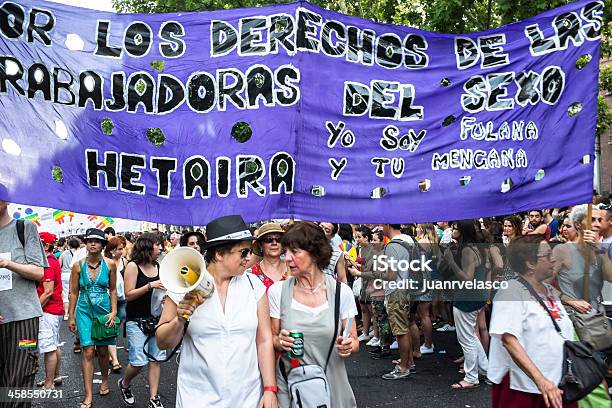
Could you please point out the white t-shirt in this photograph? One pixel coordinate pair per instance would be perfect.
(447, 236)
(78, 255)
(348, 308)
(219, 366)
(516, 312)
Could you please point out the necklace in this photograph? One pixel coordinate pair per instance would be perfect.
(311, 289)
(94, 266)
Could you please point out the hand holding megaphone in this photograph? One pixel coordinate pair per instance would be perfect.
(183, 271)
(188, 305)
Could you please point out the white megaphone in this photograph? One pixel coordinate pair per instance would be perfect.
(183, 270)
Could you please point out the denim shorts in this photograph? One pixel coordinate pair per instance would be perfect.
(136, 340)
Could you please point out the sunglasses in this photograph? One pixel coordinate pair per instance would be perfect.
(269, 240)
(244, 252)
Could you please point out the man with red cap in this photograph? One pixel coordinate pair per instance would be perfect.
(50, 294)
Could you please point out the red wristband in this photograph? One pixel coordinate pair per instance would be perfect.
(272, 388)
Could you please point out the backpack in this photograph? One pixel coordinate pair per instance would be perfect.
(415, 252)
(307, 384)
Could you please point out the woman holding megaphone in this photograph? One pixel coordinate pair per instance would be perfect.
(227, 357)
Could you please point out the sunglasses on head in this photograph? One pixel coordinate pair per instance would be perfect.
(269, 240)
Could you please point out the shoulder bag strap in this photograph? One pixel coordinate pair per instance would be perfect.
(21, 232)
(539, 299)
(87, 287)
(281, 365)
(336, 321)
(178, 346)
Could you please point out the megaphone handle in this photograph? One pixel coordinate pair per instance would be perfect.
(198, 295)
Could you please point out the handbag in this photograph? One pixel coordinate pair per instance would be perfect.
(582, 369)
(593, 328)
(307, 384)
(99, 329)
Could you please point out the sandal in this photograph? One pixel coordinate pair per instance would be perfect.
(458, 386)
(86, 404)
(117, 368)
(104, 392)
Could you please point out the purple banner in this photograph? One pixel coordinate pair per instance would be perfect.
(294, 111)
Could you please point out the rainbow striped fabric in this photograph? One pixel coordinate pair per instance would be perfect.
(27, 344)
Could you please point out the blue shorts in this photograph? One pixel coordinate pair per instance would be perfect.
(136, 340)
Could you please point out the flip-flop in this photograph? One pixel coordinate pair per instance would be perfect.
(86, 404)
(117, 368)
(460, 386)
(396, 362)
(104, 392)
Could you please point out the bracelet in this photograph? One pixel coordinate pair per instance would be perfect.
(272, 388)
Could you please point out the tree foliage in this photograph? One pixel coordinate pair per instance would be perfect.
(448, 16)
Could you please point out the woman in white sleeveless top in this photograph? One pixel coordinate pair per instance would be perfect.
(227, 358)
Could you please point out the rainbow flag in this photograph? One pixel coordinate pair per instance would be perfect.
(27, 344)
(58, 216)
(349, 250)
(105, 222)
(386, 239)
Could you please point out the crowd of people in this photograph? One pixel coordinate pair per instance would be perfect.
(292, 302)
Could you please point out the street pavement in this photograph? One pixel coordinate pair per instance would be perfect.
(428, 387)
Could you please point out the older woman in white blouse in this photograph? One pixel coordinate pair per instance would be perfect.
(526, 354)
(227, 349)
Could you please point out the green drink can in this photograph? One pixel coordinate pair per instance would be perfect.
(297, 351)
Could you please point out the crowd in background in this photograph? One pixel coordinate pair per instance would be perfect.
(102, 274)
